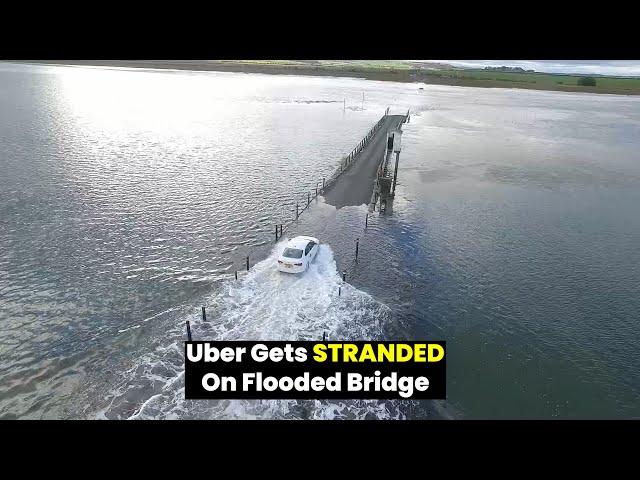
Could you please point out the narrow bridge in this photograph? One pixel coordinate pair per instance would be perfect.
(354, 184)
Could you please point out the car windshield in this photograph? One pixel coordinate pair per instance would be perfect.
(292, 253)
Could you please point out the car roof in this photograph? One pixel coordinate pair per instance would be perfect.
(301, 242)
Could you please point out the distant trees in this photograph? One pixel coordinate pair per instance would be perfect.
(509, 69)
(587, 81)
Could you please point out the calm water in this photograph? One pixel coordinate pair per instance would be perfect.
(128, 199)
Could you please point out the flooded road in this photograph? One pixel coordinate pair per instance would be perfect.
(129, 198)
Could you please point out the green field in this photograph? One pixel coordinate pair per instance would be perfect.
(545, 80)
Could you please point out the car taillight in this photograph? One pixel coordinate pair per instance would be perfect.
(298, 264)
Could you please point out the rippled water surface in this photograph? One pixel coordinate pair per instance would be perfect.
(129, 198)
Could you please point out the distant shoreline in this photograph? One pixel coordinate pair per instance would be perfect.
(442, 75)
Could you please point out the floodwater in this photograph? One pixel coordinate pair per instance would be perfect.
(129, 198)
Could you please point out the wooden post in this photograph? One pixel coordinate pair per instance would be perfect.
(204, 314)
(297, 207)
(236, 274)
(366, 221)
(344, 276)
(188, 330)
(323, 183)
(276, 232)
(308, 198)
(395, 175)
(357, 242)
(247, 263)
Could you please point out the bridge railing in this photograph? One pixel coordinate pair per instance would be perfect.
(347, 161)
(292, 209)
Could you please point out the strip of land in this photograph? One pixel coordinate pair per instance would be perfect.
(396, 71)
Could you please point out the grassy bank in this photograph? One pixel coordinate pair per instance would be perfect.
(540, 81)
(398, 71)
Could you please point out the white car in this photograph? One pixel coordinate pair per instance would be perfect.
(298, 254)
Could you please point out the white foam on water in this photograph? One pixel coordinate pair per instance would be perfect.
(270, 305)
(263, 305)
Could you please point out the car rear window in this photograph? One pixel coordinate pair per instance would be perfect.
(310, 245)
(292, 253)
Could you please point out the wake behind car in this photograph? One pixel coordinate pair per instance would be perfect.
(298, 253)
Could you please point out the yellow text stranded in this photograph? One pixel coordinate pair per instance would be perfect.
(394, 352)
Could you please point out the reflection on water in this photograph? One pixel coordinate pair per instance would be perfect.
(128, 199)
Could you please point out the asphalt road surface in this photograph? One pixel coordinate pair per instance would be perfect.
(355, 186)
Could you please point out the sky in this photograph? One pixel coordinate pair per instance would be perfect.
(601, 67)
